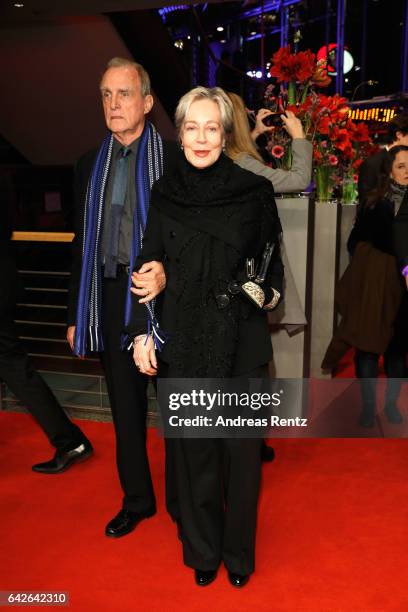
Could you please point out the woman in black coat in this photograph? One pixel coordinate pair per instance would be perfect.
(206, 218)
(382, 221)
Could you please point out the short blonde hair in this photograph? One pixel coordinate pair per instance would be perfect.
(122, 62)
(215, 94)
(239, 142)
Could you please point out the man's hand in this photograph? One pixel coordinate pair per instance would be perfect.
(406, 280)
(144, 355)
(292, 125)
(71, 336)
(260, 127)
(149, 281)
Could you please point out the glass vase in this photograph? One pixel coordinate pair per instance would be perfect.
(349, 190)
(324, 183)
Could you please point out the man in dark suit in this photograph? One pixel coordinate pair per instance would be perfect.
(112, 187)
(397, 135)
(17, 371)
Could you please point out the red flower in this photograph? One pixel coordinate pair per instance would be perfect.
(341, 139)
(333, 160)
(325, 125)
(357, 163)
(359, 132)
(287, 66)
(278, 151)
(317, 156)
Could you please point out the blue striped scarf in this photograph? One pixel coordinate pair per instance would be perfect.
(149, 167)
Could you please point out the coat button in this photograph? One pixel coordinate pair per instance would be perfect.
(172, 234)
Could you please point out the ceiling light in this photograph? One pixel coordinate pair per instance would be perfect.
(223, 40)
(18, 4)
(220, 29)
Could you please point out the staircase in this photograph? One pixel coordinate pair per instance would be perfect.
(41, 313)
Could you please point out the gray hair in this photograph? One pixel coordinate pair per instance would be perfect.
(122, 62)
(215, 94)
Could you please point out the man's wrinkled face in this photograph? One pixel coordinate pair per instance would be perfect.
(123, 104)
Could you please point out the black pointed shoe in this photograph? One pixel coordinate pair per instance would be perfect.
(63, 460)
(125, 522)
(204, 578)
(238, 580)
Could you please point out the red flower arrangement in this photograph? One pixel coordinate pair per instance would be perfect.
(289, 66)
(339, 145)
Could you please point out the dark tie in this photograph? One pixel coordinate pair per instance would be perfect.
(116, 210)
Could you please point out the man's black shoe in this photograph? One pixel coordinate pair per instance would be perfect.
(237, 580)
(267, 452)
(204, 578)
(63, 460)
(125, 522)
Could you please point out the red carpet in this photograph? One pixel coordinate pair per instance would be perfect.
(332, 536)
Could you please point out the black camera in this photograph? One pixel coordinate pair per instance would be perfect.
(273, 120)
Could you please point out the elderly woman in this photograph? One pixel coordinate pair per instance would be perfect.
(206, 218)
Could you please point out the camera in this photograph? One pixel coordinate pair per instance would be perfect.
(273, 120)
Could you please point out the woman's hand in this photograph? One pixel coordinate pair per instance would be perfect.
(292, 125)
(149, 281)
(144, 355)
(260, 127)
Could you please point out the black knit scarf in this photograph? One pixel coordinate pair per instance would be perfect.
(233, 214)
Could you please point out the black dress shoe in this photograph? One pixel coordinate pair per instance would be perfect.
(63, 460)
(237, 580)
(125, 522)
(204, 578)
(267, 452)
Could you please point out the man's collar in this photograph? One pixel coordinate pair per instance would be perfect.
(117, 146)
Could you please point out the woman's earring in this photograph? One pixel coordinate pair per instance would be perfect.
(181, 146)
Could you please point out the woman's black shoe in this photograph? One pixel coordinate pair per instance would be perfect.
(393, 414)
(203, 578)
(267, 452)
(367, 416)
(237, 580)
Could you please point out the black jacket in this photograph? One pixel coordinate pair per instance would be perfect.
(177, 242)
(384, 230)
(83, 170)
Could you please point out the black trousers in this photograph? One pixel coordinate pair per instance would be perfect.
(19, 374)
(212, 489)
(127, 390)
(366, 365)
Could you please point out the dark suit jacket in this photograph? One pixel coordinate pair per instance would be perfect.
(83, 169)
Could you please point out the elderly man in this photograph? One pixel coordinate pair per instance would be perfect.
(112, 197)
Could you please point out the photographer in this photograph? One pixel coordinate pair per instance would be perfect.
(241, 148)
